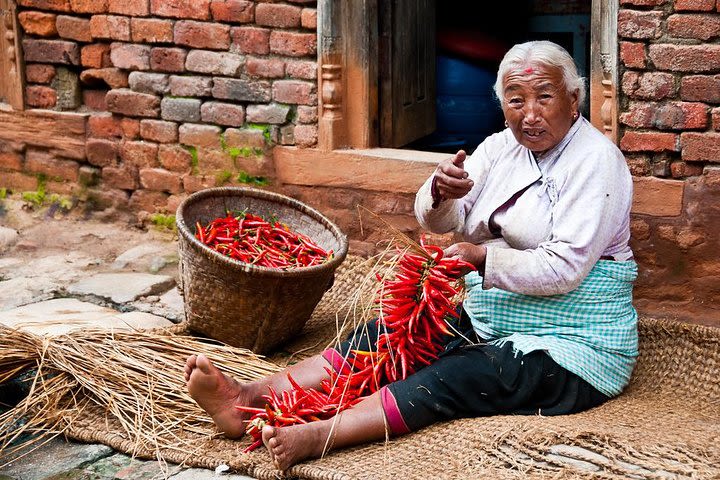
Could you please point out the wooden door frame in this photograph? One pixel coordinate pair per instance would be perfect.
(348, 67)
(11, 61)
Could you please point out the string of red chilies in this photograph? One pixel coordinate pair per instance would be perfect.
(253, 240)
(413, 310)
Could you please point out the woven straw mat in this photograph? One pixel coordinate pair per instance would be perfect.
(665, 425)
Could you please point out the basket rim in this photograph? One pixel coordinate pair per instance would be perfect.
(338, 256)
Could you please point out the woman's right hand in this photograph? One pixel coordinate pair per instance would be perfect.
(451, 179)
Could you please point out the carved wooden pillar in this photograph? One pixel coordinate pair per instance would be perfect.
(331, 121)
(11, 71)
(604, 68)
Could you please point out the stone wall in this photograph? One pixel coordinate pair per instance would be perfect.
(670, 132)
(177, 95)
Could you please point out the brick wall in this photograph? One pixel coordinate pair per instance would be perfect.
(670, 132)
(179, 94)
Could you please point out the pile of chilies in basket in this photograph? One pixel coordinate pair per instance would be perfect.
(412, 313)
(251, 239)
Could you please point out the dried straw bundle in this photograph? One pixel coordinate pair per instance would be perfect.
(136, 377)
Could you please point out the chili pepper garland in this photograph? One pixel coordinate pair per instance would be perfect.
(253, 240)
(413, 309)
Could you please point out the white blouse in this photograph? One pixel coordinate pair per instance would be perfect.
(573, 208)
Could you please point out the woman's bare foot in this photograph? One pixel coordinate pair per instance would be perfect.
(217, 394)
(289, 445)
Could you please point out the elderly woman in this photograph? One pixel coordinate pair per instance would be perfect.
(543, 209)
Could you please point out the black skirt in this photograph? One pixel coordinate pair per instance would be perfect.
(473, 378)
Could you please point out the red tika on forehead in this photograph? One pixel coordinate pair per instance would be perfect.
(528, 70)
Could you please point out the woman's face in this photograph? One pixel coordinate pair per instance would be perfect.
(537, 107)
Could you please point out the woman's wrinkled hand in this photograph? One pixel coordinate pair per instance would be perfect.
(451, 179)
(469, 252)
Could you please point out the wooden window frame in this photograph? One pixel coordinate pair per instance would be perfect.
(12, 80)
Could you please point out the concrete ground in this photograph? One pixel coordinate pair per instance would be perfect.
(60, 271)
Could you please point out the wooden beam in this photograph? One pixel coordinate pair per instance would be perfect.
(380, 169)
(62, 132)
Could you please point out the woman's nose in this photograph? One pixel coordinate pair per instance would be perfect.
(532, 113)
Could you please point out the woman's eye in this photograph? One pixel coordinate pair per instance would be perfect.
(515, 101)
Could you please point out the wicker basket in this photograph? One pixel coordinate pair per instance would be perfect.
(247, 305)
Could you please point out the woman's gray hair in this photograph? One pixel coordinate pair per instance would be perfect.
(544, 53)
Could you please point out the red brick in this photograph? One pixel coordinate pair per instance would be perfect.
(277, 15)
(650, 86)
(130, 128)
(51, 51)
(89, 6)
(160, 180)
(694, 5)
(195, 183)
(185, 86)
(130, 7)
(639, 115)
(10, 161)
(251, 40)
(682, 116)
(195, 9)
(233, 11)
(167, 59)
(242, 90)
(127, 102)
(105, 77)
(246, 137)
(293, 44)
(700, 88)
(101, 153)
(684, 170)
(151, 30)
(642, 3)
(129, 56)
(111, 27)
(716, 119)
(73, 28)
(265, 67)
(307, 114)
(41, 161)
(686, 58)
(633, 54)
(139, 154)
(306, 70)
(147, 200)
(159, 131)
(18, 181)
(175, 158)
(200, 135)
(37, 96)
(38, 73)
(124, 178)
(202, 35)
(95, 99)
(96, 55)
(639, 25)
(649, 142)
(294, 91)
(657, 197)
(55, 5)
(104, 125)
(306, 135)
(308, 18)
(700, 147)
(702, 27)
(38, 23)
(226, 114)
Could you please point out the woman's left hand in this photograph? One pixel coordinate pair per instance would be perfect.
(469, 252)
